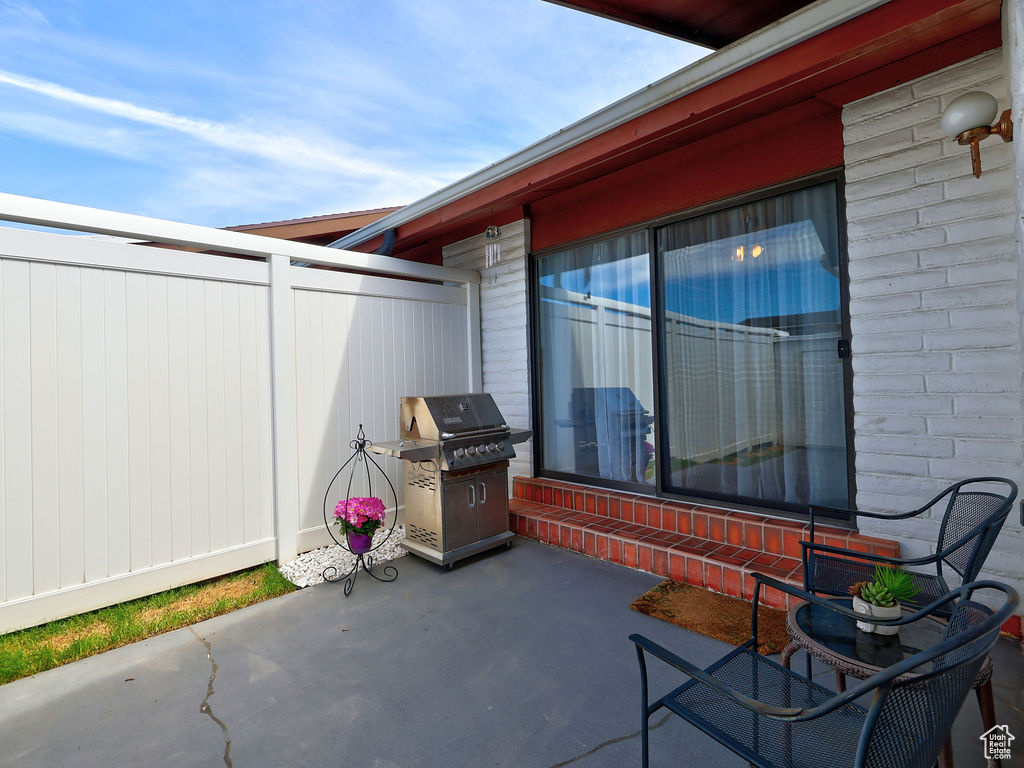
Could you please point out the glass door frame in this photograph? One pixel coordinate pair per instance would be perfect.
(659, 489)
(536, 375)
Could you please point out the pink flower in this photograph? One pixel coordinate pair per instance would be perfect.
(362, 514)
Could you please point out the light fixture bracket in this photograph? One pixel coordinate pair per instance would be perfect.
(974, 136)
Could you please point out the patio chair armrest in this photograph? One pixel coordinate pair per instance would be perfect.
(900, 561)
(644, 644)
(815, 511)
(847, 513)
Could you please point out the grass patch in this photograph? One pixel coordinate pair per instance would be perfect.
(37, 649)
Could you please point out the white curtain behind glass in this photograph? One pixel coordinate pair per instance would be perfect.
(754, 387)
(595, 335)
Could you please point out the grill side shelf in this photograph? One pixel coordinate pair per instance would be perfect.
(520, 435)
(409, 450)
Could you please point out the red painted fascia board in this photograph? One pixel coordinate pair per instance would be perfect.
(912, 67)
(893, 31)
(796, 142)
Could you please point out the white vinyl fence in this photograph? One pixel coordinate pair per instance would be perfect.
(170, 416)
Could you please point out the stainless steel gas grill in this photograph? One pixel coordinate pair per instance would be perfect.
(455, 450)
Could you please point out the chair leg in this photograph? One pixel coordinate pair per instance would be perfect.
(946, 755)
(840, 682)
(645, 714)
(988, 710)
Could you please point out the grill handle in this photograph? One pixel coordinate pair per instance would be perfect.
(472, 495)
(489, 430)
(483, 493)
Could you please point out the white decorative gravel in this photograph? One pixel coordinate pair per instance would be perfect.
(308, 569)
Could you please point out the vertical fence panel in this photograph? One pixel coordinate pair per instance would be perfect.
(70, 459)
(17, 431)
(215, 420)
(198, 443)
(140, 524)
(94, 426)
(159, 448)
(115, 320)
(180, 513)
(45, 520)
(249, 425)
(234, 509)
(263, 415)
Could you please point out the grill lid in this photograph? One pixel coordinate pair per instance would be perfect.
(442, 416)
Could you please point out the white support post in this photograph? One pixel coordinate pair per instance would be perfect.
(473, 355)
(283, 378)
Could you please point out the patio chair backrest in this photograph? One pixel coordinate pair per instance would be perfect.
(914, 715)
(978, 515)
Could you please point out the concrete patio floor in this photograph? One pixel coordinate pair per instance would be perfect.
(515, 658)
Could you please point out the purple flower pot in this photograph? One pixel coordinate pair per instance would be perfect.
(359, 543)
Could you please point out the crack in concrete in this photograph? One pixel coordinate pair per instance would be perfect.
(205, 707)
(608, 743)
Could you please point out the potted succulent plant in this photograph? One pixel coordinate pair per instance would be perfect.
(880, 597)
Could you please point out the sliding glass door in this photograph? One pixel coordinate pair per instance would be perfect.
(596, 377)
(747, 322)
(753, 387)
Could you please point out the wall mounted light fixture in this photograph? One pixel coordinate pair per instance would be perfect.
(967, 119)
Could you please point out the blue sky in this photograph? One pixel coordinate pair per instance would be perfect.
(225, 113)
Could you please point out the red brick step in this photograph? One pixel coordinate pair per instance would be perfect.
(707, 547)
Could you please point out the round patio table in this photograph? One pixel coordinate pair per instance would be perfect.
(835, 640)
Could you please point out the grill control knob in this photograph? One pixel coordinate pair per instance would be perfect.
(491, 447)
(471, 450)
(459, 453)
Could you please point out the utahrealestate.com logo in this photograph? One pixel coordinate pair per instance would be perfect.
(997, 742)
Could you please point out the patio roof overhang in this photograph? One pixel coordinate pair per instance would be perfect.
(711, 23)
(824, 56)
(318, 230)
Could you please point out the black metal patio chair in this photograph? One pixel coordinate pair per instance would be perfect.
(974, 514)
(776, 718)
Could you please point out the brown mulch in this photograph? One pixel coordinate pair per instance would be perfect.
(715, 615)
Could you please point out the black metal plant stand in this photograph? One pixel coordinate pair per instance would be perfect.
(364, 560)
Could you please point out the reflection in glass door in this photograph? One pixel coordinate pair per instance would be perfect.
(595, 359)
(753, 387)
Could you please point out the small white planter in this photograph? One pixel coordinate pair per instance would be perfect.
(878, 612)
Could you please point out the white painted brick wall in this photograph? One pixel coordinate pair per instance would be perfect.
(934, 306)
(504, 340)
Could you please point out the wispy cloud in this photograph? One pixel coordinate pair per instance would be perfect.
(277, 147)
(108, 140)
(339, 105)
(13, 11)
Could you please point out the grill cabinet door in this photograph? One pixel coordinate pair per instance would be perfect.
(492, 502)
(460, 502)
